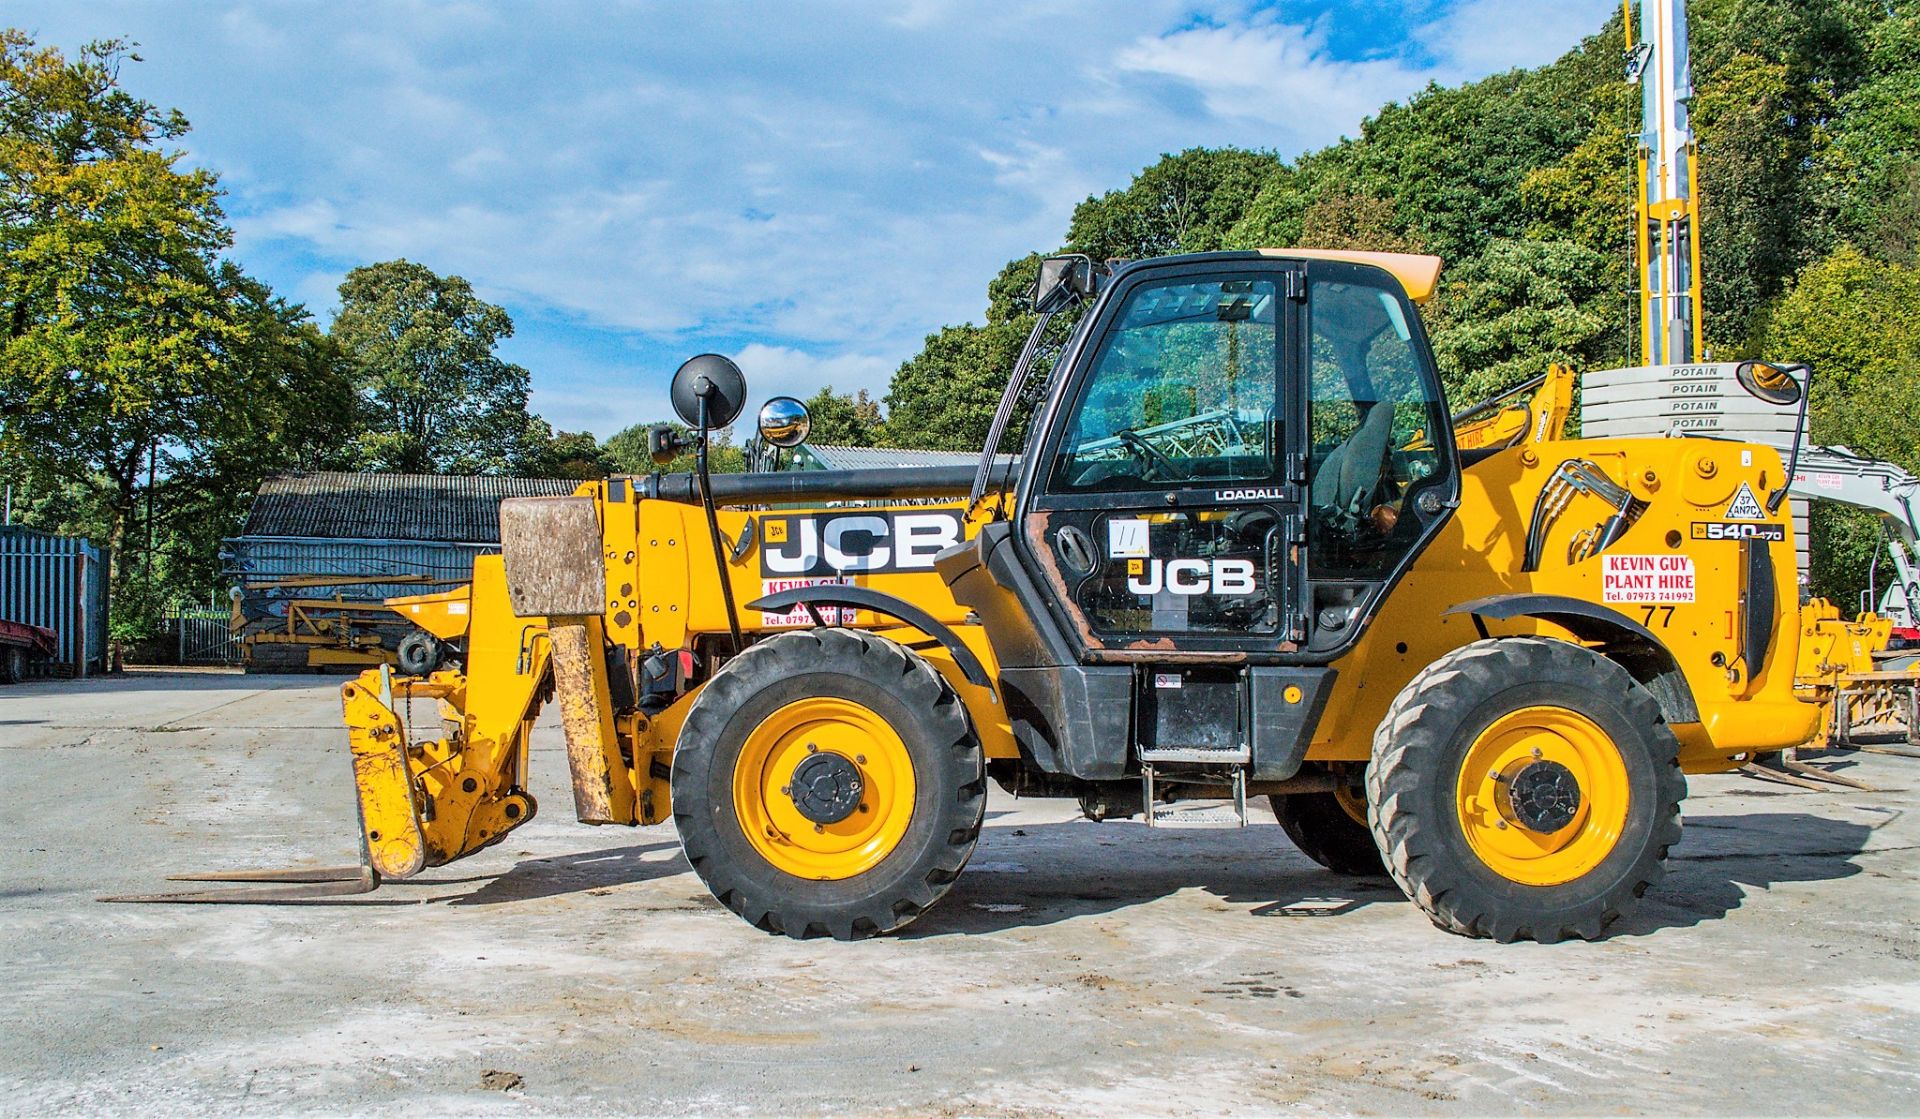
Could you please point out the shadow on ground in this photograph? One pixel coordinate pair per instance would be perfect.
(572, 874)
(1040, 874)
(1721, 857)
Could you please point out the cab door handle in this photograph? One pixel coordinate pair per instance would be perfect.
(1075, 549)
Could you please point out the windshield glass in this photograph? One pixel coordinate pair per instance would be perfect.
(1183, 387)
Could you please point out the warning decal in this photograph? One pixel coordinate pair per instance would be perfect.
(1660, 579)
(1745, 507)
(1127, 538)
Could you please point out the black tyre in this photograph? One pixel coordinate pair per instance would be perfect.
(828, 783)
(420, 653)
(1525, 788)
(13, 665)
(1331, 829)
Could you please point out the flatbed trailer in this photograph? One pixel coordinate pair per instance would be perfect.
(20, 645)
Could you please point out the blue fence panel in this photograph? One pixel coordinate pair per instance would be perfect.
(58, 583)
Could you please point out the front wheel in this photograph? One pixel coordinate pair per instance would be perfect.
(1525, 788)
(828, 782)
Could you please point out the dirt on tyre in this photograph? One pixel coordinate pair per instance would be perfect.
(1525, 789)
(1331, 829)
(828, 782)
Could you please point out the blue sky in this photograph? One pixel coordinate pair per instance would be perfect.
(808, 188)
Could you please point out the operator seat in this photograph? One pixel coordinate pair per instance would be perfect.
(1350, 474)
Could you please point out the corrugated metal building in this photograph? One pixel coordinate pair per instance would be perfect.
(807, 456)
(361, 538)
(59, 583)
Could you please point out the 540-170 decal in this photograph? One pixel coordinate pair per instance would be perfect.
(1734, 530)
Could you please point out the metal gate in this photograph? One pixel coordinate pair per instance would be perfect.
(204, 635)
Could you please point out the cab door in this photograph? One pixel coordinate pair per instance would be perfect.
(1244, 455)
(1163, 510)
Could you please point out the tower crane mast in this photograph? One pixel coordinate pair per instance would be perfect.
(1667, 214)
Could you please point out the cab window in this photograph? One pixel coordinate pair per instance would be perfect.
(1182, 388)
(1369, 410)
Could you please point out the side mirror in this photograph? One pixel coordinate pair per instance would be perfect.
(1062, 281)
(714, 381)
(784, 423)
(1774, 384)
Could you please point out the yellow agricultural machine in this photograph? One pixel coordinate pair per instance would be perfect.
(1235, 551)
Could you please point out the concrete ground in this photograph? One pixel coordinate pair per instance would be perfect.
(1076, 968)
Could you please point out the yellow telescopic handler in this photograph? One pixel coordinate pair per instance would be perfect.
(1226, 547)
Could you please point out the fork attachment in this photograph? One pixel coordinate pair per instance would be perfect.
(419, 804)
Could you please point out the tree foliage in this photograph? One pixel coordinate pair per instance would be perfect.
(434, 398)
(1184, 203)
(1808, 119)
(144, 380)
(841, 420)
(626, 452)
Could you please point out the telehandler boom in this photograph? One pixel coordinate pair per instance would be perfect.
(1237, 552)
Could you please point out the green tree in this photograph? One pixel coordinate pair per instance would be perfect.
(625, 451)
(139, 373)
(840, 420)
(1869, 176)
(434, 398)
(1506, 314)
(549, 453)
(1184, 203)
(1856, 321)
(944, 397)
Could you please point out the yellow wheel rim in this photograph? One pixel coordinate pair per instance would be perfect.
(773, 822)
(1352, 801)
(1515, 837)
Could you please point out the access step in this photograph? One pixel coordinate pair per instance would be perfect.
(1192, 813)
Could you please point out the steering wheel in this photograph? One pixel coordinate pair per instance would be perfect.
(1151, 457)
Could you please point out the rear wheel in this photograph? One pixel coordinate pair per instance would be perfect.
(828, 782)
(1331, 829)
(1525, 788)
(13, 667)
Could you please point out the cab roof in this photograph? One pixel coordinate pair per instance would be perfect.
(1418, 274)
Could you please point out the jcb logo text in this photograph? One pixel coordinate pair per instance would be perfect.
(1190, 576)
(855, 542)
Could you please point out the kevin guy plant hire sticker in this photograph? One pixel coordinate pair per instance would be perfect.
(1660, 579)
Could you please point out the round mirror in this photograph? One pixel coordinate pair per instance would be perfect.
(1766, 381)
(784, 422)
(716, 379)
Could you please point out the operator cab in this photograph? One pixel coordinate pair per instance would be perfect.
(1240, 456)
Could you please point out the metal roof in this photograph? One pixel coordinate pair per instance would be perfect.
(830, 457)
(437, 507)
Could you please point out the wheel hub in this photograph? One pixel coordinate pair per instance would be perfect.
(825, 787)
(1544, 796)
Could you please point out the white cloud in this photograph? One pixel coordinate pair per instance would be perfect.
(1479, 37)
(1280, 75)
(813, 189)
(785, 371)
